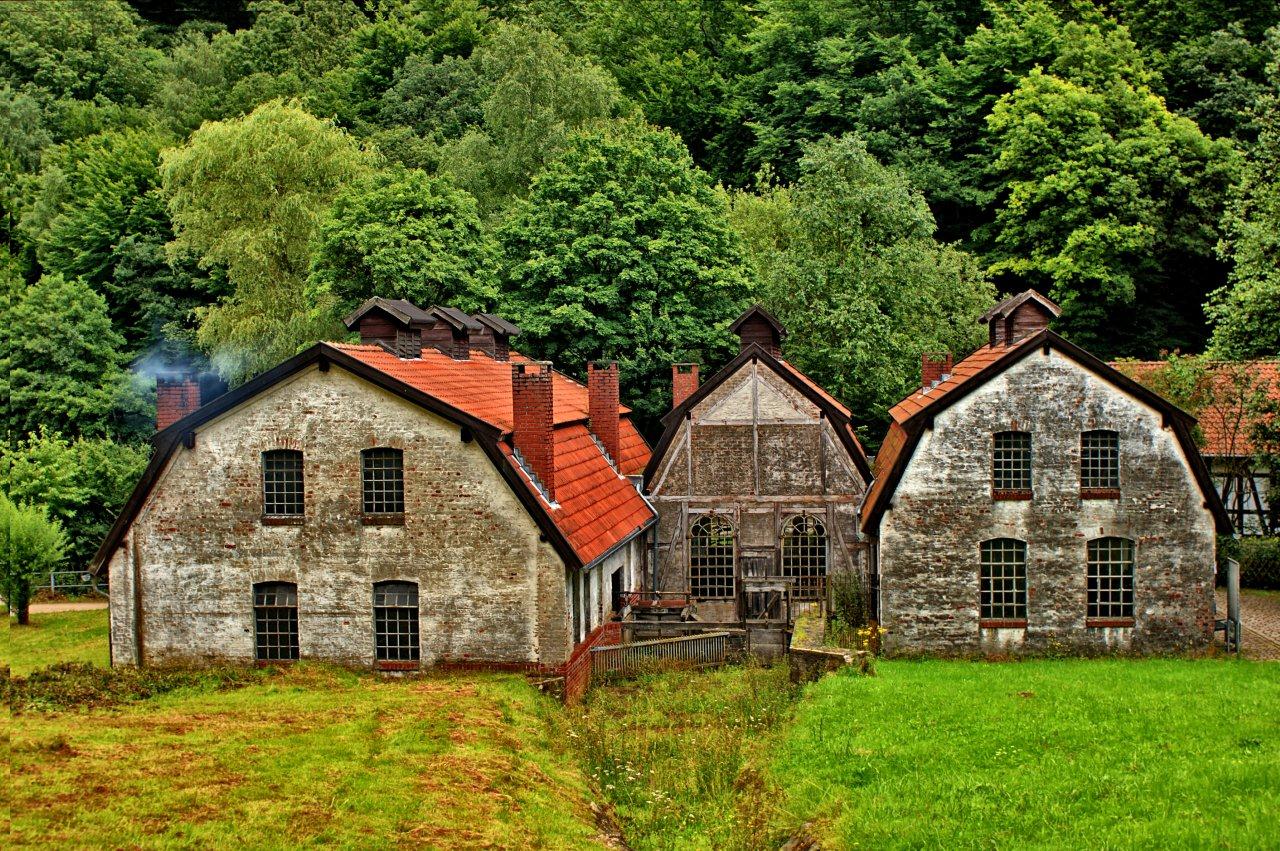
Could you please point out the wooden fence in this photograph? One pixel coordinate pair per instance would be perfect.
(707, 648)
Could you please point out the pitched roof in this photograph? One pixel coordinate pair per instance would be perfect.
(455, 318)
(1226, 422)
(1013, 302)
(497, 324)
(754, 311)
(596, 507)
(913, 414)
(406, 311)
(837, 413)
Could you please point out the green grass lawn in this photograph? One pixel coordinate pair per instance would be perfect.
(54, 637)
(1069, 753)
(315, 755)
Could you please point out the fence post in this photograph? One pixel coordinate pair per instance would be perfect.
(1233, 605)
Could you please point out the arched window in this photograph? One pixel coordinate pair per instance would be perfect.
(1002, 582)
(1110, 580)
(382, 472)
(1099, 460)
(1011, 463)
(395, 621)
(711, 561)
(804, 556)
(275, 620)
(282, 483)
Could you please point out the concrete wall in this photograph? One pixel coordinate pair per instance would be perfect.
(943, 509)
(758, 452)
(488, 588)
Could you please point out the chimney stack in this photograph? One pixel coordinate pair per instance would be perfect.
(602, 404)
(935, 367)
(176, 396)
(534, 416)
(684, 381)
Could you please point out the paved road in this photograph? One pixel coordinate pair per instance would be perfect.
(37, 608)
(1260, 612)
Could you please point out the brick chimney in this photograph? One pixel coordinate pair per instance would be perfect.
(534, 427)
(684, 380)
(176, 396)
(934, 368)
(602, 403)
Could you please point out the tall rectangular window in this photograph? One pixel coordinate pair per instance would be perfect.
(275, 620)
(395, 623)
(1003, 582)
(383, 476)
(1099, 461)
(711, 559)
(1110, 581)
(1011, 463)
(282, 483)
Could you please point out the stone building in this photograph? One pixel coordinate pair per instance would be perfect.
(1031, 497)
(757, 475)
(426, 496)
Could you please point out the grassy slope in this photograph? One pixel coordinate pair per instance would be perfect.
(1061, 752)
(53, 637)
(316, 755)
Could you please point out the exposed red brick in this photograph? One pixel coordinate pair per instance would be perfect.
(602, 403)
(531, 408)
(684, 381)
(176, 396)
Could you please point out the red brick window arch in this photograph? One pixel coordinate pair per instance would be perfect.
(711, 558)
(804, 556)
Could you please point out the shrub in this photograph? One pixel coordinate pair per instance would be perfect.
(71, 685)
(34, 545)
(1259, 563)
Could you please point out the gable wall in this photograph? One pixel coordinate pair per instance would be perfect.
(488, 589)
(757, 451)
(942, 511)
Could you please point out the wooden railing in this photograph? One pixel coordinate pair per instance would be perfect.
(708, 648)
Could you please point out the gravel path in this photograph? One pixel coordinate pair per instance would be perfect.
(1260, 612)
(37, 608)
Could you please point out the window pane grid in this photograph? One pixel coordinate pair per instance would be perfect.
(282, 483)
(1011, 461)
(804, 556)
(383, 475)
(1111, 578)
(1003, 580)
(395, 621)
(1100, 460)
(711, 559)
(275, 615)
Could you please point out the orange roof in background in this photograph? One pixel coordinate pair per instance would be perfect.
(596, 507)
(1224, 424)
(960, 374)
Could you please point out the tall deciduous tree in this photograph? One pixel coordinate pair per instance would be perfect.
(623, 249)
(247, 195)
(405, 234)
(848, 262)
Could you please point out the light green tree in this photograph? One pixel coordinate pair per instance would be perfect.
(247, 195)
(34, 545)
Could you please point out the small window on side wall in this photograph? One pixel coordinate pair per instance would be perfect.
(1011, 465)
(382, 477)
(1110, 582)
(1099, 465)
(275, 621)
(282, 486)
(395, 624)
(1003, 583)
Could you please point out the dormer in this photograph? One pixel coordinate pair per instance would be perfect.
(1019, 317)
(495, 335)
(450, 332)
(758, 326)
(395, 324)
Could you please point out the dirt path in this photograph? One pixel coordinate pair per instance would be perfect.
(1260, 613)
(38, 608)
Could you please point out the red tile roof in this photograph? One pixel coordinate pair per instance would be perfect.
(595, 507)
(816, 387)
(961, 373)
(1226, 422)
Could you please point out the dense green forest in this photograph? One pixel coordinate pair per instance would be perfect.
(221, 180)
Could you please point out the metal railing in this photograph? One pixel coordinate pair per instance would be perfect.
(708, 648)
(74, 583)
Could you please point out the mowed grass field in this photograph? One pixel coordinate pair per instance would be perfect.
(1054, 753)
(57, 637)
(1058, 753)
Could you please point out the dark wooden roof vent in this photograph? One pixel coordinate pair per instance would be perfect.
(758, 326)
(495, 335)
(1019, 317)
(389, 322)
(450, 332)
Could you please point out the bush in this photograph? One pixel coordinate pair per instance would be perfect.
(72, 685)
(34, 545)
(1259, 563)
